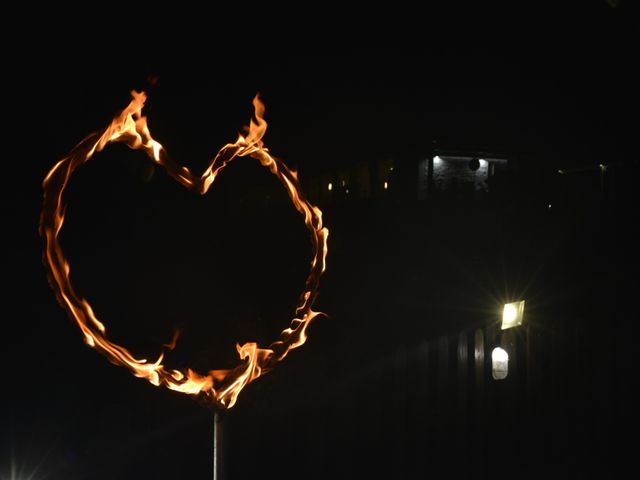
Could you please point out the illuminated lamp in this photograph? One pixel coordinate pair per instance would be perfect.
(512, 314)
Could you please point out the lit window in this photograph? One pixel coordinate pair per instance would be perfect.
(499, 363)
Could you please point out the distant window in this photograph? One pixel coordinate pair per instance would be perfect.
(499, 363)
(463, 173)
(460, 173)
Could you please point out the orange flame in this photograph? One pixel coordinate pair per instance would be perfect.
(219, 387)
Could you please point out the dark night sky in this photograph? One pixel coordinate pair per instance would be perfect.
(557, 85)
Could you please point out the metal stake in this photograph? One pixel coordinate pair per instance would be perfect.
(218, 467)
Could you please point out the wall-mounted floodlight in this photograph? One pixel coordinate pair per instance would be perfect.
(499, 363)
(512, 314)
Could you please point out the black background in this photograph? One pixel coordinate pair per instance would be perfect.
(152, 257)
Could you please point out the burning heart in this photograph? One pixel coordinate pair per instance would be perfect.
(218, 387)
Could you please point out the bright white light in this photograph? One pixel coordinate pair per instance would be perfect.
(347, 191)
(483, 163)
(437, 160)
(549, 206)
(499, 363)
(513, 313)
(499, 355)
(386, 185)
(510, 313)
(330, 187)
(391, 169)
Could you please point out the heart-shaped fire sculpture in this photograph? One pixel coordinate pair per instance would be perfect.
(219, 388)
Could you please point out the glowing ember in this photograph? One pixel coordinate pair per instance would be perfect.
(218, 387)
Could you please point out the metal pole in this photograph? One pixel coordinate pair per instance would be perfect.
(218, 467)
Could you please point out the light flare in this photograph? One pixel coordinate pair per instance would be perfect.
(219, 388)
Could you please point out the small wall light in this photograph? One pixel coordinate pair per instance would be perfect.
(499, 363)
(512, 314)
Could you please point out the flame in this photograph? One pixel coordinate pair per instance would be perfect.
(219, 388)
